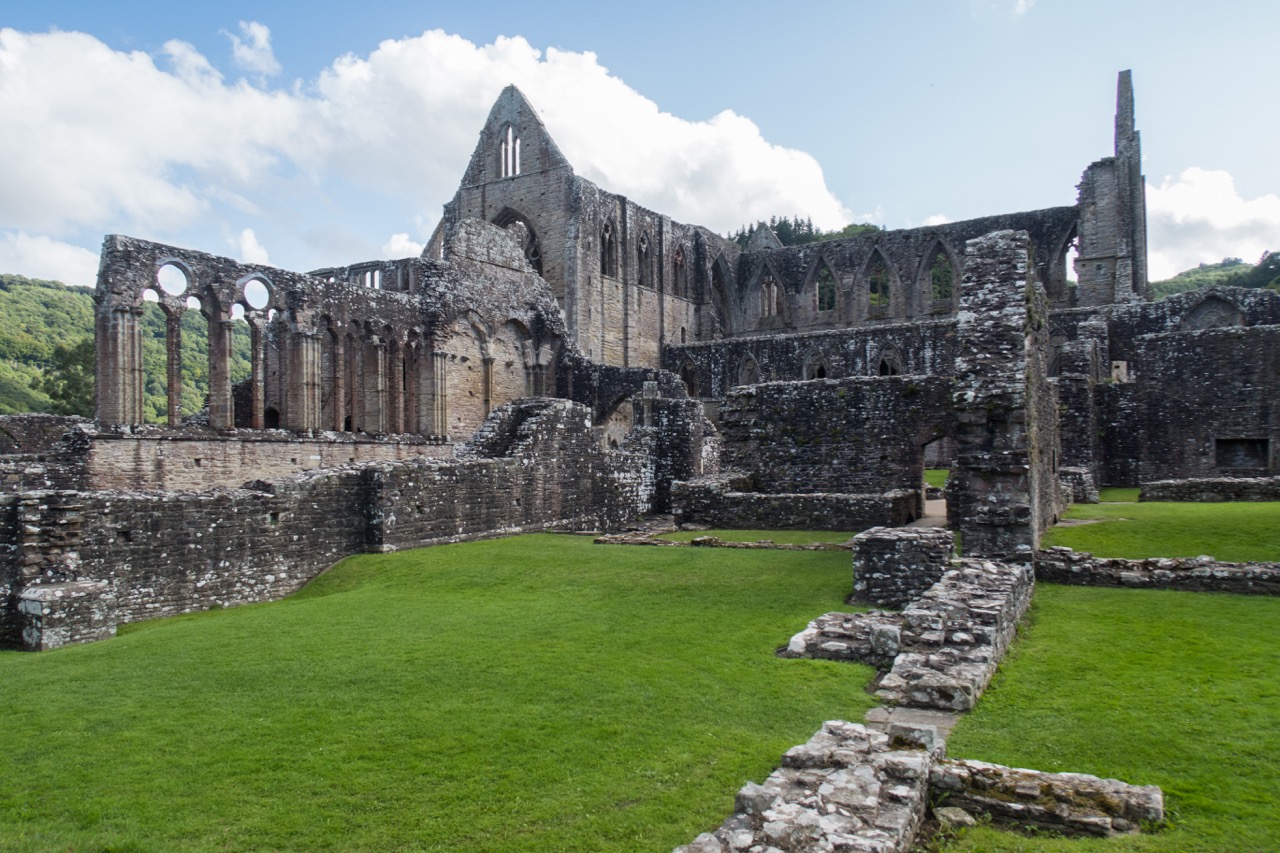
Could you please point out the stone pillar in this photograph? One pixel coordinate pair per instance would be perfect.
(436, 397)
(258, 376)
(303, 409)
(338, 364)
(1002, 490)
(395, 390)
(173, 366)
(221, 406)
(118, 371)
(375, 387)
(412, 419)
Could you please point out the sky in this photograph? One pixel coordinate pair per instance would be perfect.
(323, 134)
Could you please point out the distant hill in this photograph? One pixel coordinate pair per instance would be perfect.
(1231, 272)
(36, 316)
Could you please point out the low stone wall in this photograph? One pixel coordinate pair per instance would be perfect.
(892, 565)
(715, 501)
(1078, 484)
(74, 564)
(852, 788)
(1070, 803)
(1212, 490)
(943, 647)
(847, 788)
(1194, 574)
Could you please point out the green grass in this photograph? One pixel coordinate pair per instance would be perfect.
(534, 693)
(1234, 532)
(936, 477)
(1166, 688)
(779, 537)
(1118, 494)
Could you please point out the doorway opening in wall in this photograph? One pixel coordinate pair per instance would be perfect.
(938, 456)
(271, 418)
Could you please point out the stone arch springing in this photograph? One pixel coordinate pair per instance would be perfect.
(509, 152)
(608, 250)
(175, 279)
(748, 370)
(532, 244)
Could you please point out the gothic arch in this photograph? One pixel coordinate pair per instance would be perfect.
(824, 286)
(748, 370)
(609, 249)
(532, 247)
(1058, 274)
(1212, 312)
(881, 285)
(889, 361)
(721, 303)
(815, 366)
(938, 281)
(766, 298)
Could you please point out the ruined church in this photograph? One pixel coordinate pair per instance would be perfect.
(562, 358)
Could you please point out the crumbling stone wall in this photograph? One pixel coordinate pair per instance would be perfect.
(1213, 490)
(849, 436)
(140, 555)
(1003, 489)
(1194, 574)
(892, 566)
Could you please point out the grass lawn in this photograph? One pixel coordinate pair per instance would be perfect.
(936, 477)
(1174, 689)
(1233, 532)
(780, 537)
(1118, 494)
(533, 693)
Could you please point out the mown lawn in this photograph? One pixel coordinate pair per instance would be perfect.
(779, 537)
(534, 693)
(1233, 532)
(1175, 689)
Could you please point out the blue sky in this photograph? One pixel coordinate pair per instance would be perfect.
(309, 135)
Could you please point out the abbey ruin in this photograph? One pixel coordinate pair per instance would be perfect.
(562, 358)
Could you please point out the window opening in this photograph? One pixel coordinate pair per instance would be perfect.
(826, 287)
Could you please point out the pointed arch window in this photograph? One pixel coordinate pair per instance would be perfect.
(509, 152)
(878, 283)
(748, 370)
(770, 297)
(678, 280)
(642, 262)
(825, 282)
(942, 276)
(608, 251)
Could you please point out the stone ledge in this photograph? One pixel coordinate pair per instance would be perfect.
(1194, 574)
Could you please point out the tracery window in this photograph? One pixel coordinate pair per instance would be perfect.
(608, 251)
(509, 153)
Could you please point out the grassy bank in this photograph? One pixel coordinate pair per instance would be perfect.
(1229, 531)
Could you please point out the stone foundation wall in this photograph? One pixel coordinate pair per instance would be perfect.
(1213, 490)
(1195, 574)
(943, 648)
(716, 502)
(891, 566)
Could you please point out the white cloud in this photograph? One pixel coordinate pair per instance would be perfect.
(41, 257)
(936, 219)
(400, 246)
(1200, 217)
(251, 251)
(253, 53)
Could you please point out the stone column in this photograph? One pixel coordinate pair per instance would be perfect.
(375, 387)
(395, 390)
(338, 364)
(258, 377)
(436, 398)
(303, 410)
(221, 406)
(173, 366)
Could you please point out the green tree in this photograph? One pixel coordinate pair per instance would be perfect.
(69, 379)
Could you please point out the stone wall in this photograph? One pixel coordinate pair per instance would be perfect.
(892, 566)
(1213, 490)
(1194, 574)
(845, 436)
(161, 553)
(1003, 490)
(725, 500)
